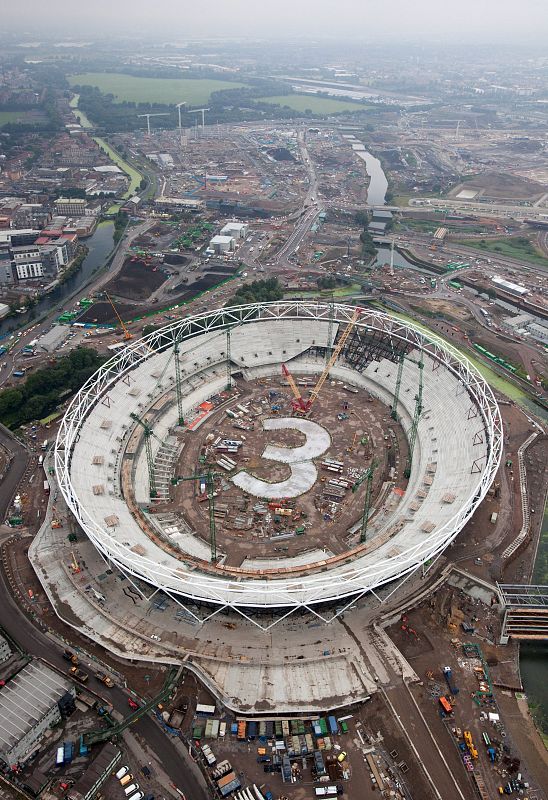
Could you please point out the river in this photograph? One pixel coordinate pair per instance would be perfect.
(533, 657)
(100, 246)
(378, 184)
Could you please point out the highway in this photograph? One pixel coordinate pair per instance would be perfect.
(178, 765)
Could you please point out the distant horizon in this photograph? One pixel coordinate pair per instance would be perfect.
(477, 22)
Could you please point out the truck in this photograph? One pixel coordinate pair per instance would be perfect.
(333, 726)
(252, 730)
(448, 675)
(68, 655)
(78, 674)
(104, 678)
(60, 756)
(68, 749)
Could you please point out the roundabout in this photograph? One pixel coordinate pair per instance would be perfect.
(247, 505)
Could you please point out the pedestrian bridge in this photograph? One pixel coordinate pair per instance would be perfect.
(525, 612)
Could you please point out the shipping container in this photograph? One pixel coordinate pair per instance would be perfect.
(204, 710)
(333, 726)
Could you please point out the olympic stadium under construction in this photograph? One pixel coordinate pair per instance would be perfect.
(149, 422)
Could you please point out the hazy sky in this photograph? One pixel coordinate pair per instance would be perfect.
(521, 21)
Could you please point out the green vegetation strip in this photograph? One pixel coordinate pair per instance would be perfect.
(319, 105)
(132, 89)
(518, 247)
(134, 176)
(80, 116)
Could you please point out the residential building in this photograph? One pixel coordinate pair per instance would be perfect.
(27, 262)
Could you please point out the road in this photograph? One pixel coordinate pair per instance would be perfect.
(177, 766)
(15, 472)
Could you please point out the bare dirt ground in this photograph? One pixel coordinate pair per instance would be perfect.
(499, 185)
(137, 280)
(325, 524)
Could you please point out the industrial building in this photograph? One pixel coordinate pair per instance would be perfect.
(238, 230)
(508, 286)
(222, 244)
(5, 649)
(30, 703)
(51, 340)
(87, 786)
(70, 206)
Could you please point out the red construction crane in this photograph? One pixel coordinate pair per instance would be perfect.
(301, 406)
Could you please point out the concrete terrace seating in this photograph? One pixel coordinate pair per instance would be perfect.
(449, 442)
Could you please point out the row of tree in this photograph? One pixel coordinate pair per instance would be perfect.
(44, 389)
(261, 291)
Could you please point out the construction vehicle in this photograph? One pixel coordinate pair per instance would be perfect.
(448, 675)
(68, 655)
(127, 334)
(78, 674)
(75, 567)
(301, 406)
(104, 678)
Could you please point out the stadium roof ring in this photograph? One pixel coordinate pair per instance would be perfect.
(457, 452)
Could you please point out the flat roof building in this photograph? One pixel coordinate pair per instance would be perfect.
(87, 786)
(5, 649)
(508, 286)
(29, 706)
(381, 216)
(238, 230)
(222, 244)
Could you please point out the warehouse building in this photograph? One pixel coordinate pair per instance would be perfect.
(508, 286)
(238, 230)
(70, 206)
(5, 649)
(30, 703)
(222, 244)
(96, 774)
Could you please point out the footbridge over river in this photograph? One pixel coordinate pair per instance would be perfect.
(525, 612)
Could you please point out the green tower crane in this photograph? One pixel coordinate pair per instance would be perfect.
(394, 412)
(367, 477)
(207, 476)
(148, 449)
(178, 387)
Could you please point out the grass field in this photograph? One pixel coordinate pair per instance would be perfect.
(519, 247)
(152, 90)
(318, 105)
(14, 116)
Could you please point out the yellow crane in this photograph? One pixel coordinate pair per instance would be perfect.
(301, 406)
(127, 334)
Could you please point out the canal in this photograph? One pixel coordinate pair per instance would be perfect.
(378, 185)
(100, 245)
